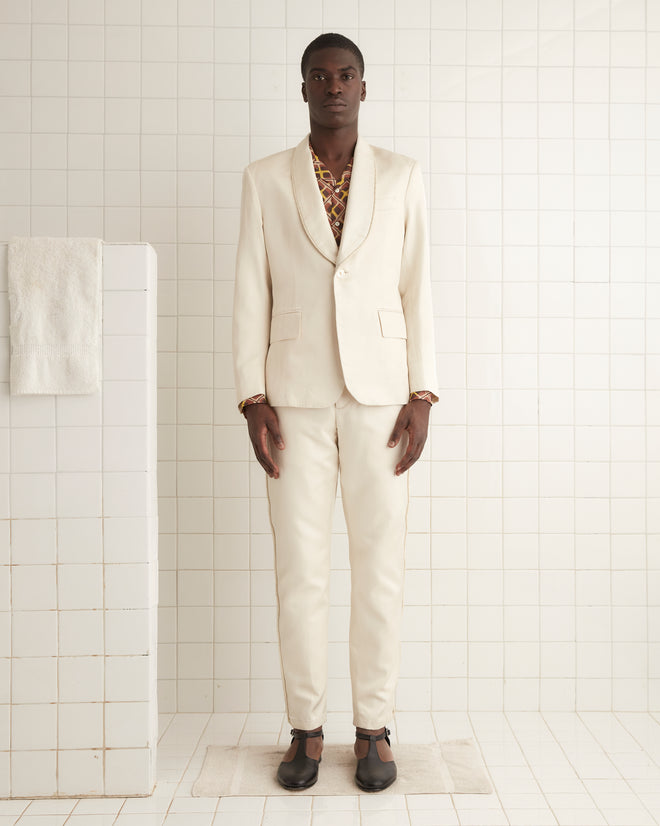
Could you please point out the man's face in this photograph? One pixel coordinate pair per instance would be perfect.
(333, 88)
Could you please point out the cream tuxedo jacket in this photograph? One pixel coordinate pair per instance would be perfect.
(310, 317)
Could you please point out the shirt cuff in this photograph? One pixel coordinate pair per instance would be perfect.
(426, 395)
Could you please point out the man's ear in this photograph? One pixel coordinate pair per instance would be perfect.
(363, 94)
(303, 89)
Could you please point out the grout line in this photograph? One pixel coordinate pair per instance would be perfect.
(609, 356)
(176, 325)
(529, 765)
(502, 390)
(576, 660)
(478, 742)
(437, 738)
(184, 770)
(102, 451)
(568, 759)
(214, 573)
(56, 468)
(466, 392)
(646, 388)
(608, 753)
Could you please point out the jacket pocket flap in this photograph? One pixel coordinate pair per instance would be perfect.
(392, 323)
(285, 325)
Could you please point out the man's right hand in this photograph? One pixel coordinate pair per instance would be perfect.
(262, 420)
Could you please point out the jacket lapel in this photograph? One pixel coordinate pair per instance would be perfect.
(309, 202)
(361, 200)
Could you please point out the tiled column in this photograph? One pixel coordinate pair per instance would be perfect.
(78, 561)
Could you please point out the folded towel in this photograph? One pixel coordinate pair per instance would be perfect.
(55, 315)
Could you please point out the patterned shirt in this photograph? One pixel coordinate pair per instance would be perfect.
(333, 192)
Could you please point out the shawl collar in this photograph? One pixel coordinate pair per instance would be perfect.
(359, 209)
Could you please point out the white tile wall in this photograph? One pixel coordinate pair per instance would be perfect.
(534, 552)
(78, 563)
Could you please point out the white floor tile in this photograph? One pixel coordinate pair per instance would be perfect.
(13, 807)
(482, 817)
(570, 801)
(158, 802)
(378, 802)
(337, 818)
(181, 805)
(476, 801)
(237, 819)
(189, 819)
(530, 800)
(423, 817)
(651, 802)
(287, 818)
(335, 803)
(241, 804)
(90, 820)
(531, 817)
(433, 802)
(288, 803)
(398, 817)
(50, 807)
(614, 800)
(99, 805)
(628, 817)
(141, 819)
(264, 721)
(145, 805)
(579, 817)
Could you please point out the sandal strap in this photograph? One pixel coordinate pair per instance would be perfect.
(373, 737)
(301, 734)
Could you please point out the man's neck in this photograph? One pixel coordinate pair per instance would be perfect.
(333, 146)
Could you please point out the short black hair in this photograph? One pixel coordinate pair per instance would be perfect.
(331, 40)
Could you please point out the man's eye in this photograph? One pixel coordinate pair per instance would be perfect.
(317, 77)
(348, 77)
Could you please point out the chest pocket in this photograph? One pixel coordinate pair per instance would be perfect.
(285, 326)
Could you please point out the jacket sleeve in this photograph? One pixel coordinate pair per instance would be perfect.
(415, 289)
(252, 297)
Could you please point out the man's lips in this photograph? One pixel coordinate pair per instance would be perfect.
(334, 105)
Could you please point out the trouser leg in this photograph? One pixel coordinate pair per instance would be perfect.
(375, 505)
(301, 508)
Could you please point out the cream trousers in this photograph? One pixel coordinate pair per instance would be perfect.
(349, 439)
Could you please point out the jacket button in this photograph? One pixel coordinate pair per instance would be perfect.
(342, 274)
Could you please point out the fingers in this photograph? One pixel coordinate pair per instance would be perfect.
(412, 454)
(262, 452)
(399, 427)
(274, 430)
(414, 419)
(263, 423)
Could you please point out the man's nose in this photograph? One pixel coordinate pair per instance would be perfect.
(334, 87)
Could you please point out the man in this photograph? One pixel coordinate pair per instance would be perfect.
(334, 362)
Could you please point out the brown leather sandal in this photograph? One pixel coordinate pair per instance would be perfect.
(303, 771)
(372, 773)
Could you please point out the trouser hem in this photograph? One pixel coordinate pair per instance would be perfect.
(306, 725)
(371, 724)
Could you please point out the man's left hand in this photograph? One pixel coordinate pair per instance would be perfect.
(414, 419)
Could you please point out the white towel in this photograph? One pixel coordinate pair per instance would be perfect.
(55, 315)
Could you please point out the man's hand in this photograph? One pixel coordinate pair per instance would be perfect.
(262, 420)
(413, 418)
